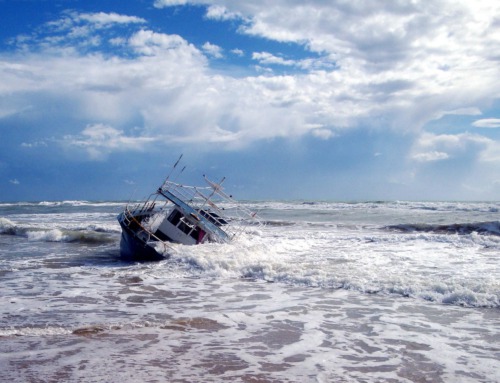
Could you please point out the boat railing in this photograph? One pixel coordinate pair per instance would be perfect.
(223, 216)
(128, 216)
(234, 217)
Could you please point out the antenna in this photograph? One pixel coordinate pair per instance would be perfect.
(178, 175)
(172, 170)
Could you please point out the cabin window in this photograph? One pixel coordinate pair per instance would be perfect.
(213, 217)
(195, 233)
(175, 217)
(184, 227)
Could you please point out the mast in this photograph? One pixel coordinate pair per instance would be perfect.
(172, 170)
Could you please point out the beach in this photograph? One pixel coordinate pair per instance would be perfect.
(325, 292)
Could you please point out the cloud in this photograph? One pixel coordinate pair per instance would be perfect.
(76, 31)
(7, 110)
(221, 13)
(238, 52)
(99, 140)
(14, 181)
(383, 65)
(169, 3)
(323, 134)
(437, 147)
(78, 23)
(491, 154)
(34, 144)
(104, 19)
(487, 123)
(267, 58)
(212, 50)
(149, 43)
(430, 156)
(467, 111)
(444, 51)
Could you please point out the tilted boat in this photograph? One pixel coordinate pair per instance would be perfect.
(177, 213)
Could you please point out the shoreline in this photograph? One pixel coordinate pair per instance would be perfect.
(237, 330)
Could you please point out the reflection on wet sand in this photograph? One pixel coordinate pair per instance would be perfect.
(235, 330)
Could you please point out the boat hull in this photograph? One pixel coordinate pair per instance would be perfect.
(178, 214)
(133, 248)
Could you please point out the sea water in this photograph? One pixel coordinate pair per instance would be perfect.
(323, 292)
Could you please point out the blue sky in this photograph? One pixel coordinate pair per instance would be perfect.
(336, 100)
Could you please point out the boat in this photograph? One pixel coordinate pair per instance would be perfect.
(181, 214)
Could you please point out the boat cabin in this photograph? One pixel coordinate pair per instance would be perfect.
(184, 214)
(178, 228)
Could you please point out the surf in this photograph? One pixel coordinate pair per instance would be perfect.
(91, 234)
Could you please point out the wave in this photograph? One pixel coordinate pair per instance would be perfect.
(33, 331)
(450, 295)
(90, 235)
(276, 223)
(70, 203)
(6, 226)
(79, 203)
(487, 228)
(56, 235)
(280, 263)
(104, 228)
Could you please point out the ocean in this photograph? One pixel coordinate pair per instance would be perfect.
(323, 292)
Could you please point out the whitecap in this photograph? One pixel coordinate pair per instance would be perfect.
(6, 226)
(54, 235)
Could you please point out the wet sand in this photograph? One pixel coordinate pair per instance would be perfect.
(191, 330)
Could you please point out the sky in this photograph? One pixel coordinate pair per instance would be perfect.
(342, 100)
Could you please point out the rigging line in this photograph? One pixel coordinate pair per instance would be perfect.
(173, 168)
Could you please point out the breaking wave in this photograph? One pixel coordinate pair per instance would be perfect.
(277, 223)
(90, 235)
(284, 263)
(79, 203)
(487, 228)
(67, 203)
(7, 227)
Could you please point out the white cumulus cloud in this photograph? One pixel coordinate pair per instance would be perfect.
(430, 156)
(382, 65)
(435, 147)
(100, 139)
(212, 50)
